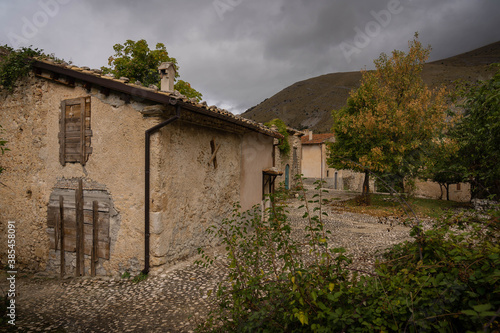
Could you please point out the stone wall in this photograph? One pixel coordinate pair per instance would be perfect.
(30, 117)
(188, 192)
(293, 160)
(457, 192)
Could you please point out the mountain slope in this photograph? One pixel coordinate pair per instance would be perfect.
(308, 103)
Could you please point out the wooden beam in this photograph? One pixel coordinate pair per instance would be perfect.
(61, 220)
(95, 238)
(80, 264)
(87, 86)
(105, 91)
(214, 153)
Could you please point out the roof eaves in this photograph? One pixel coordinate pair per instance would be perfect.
(96, 78)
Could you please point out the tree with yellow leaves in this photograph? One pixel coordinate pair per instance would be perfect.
(391, 120)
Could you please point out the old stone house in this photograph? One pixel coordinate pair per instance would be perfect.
(289, 164)
(155, 170)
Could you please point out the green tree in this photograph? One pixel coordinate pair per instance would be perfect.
(391, 120)
(443, 165)
(284, 145)
(185, 88)
(136, 61)
(478, 137)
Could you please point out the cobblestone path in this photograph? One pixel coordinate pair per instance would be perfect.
(174, 300)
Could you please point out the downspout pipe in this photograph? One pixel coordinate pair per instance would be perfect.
(147, 194)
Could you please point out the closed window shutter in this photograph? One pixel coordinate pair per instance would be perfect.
(75, 132)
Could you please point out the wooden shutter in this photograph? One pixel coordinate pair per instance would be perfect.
(75, 132)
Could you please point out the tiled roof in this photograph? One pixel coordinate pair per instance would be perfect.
(95, 77)
(316, 139)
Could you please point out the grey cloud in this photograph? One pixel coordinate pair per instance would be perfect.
(253, 49)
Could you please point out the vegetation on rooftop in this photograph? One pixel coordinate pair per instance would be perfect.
(15, 64)
(284, 145)
(136, 61)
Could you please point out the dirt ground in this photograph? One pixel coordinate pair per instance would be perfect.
(173, 299)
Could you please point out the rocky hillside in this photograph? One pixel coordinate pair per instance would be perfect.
(308, 103)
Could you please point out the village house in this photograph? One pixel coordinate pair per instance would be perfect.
(315, 166)
(290, 164)
(122, 177)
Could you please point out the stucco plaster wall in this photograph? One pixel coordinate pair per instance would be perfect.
(188, 193)
(257, 155)
(30, 118)
(311, 161)
(432, 190)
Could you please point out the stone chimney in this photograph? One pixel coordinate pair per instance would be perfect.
(310, 135)
(167, 75)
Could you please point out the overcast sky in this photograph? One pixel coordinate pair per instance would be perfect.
(239, 52)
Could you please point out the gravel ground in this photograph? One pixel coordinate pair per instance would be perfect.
(174, 299)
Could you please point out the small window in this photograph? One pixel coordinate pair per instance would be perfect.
(458, 187)
(74, 131)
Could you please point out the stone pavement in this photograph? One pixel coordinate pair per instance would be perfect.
(175, 299)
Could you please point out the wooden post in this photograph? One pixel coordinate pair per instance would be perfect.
(80, 265)
(61, 220)
(95, 240)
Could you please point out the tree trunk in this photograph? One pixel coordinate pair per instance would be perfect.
(447, 186)
(366, 183)
(365, 195)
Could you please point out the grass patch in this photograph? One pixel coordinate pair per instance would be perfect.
(385, 205)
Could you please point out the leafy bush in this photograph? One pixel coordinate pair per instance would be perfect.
(284, 145)
(14, 64)
(280, 284)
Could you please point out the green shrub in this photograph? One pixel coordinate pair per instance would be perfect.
(15, 64)
(284, 145)
(446, 280)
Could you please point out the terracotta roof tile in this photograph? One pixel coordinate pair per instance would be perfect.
(316, 139)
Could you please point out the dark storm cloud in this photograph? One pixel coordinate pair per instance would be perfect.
(239, 52)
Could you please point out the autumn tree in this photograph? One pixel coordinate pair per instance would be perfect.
(136, 61)
(390, 121)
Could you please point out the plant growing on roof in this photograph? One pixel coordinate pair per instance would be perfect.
(136, 61)
(15, 64)
(284, 145)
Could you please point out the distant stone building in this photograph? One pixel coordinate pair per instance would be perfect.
(315, 166)
(160, 167)
(291, 164)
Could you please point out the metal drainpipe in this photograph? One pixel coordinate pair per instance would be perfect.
(147, 183)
